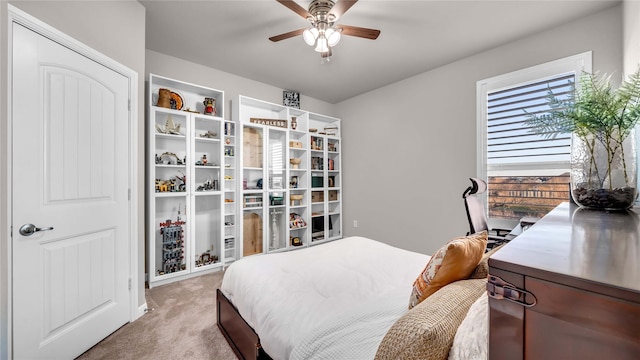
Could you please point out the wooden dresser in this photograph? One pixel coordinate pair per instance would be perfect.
(581, 269)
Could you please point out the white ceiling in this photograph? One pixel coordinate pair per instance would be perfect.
(416, 36)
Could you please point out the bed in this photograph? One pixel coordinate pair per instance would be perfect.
(338, 300)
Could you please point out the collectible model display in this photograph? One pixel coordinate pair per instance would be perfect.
(209, 106)
(296, 221)
(169, 158)
(209, 134)
(177, 184)
(172, 246)
(206, 258)
(169, 127)
(209, 185)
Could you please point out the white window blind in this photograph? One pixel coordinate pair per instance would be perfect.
(509, 138)
(527, 173)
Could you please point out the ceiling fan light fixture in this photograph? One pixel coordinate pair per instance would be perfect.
(333, 36)
(310, 35)
(322, 45)
(322, 15)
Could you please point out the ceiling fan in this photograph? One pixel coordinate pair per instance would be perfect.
(323, 33)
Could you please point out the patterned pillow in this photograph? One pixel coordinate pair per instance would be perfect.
(456, 260)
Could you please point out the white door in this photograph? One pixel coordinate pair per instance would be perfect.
(70, 180)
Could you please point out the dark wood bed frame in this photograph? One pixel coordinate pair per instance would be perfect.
(241, 337)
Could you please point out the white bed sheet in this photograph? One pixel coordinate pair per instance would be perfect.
(355, 333)
(287, 296)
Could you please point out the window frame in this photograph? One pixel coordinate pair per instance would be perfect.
(572, 64)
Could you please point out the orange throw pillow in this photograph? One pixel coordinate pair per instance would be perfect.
(455, 261)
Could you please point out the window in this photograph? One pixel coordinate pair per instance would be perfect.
(527, 174)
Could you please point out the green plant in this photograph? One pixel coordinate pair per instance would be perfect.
(595, 113)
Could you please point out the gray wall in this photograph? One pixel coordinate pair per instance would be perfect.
(94, 24)
(403, 184)
(232, 85)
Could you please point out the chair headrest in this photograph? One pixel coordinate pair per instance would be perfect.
(478, 186)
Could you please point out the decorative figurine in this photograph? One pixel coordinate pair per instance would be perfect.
(164, 98)
(206, 258)
(182, 187)
(169, 127)
(209, 185)
(296, 221)
(295, 241)
(294, 123)
(166, 157)
(209, 134)
(209, 106)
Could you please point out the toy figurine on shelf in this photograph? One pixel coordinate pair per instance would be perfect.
(169, 127)
(296, 221)
(209, 106)
(206, 259)
(182, 187)
(169, 158)
(209, 134)
(208, 185)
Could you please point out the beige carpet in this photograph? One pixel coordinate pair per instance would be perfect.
(182, 325)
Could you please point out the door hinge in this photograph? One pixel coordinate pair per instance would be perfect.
(129, 283)
(500, 289)
(129, 104)
(129, 194)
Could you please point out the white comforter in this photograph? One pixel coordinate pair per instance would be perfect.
(351, 290)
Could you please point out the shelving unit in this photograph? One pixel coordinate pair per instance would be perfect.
(230, 167)
(326, 207)
(191, 174)
(290, 198)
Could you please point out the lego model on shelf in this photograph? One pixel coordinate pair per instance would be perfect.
(172, 233)
(191, 170)
(289, 169)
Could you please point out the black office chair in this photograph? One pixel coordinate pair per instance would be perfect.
(477, 217)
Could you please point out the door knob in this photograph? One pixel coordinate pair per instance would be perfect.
(30, 229)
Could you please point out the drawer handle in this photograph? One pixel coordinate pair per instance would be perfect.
(500, 289)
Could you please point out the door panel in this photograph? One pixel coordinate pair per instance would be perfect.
(79, 279)
(70, 172)
(80, 136)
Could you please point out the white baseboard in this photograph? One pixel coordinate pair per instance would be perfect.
(141, 311)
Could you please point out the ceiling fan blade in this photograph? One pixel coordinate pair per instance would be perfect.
(359, 32)
(341, 7)
(295, 8)
(290, 34)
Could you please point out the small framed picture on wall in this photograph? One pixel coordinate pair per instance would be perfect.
(291, 99)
